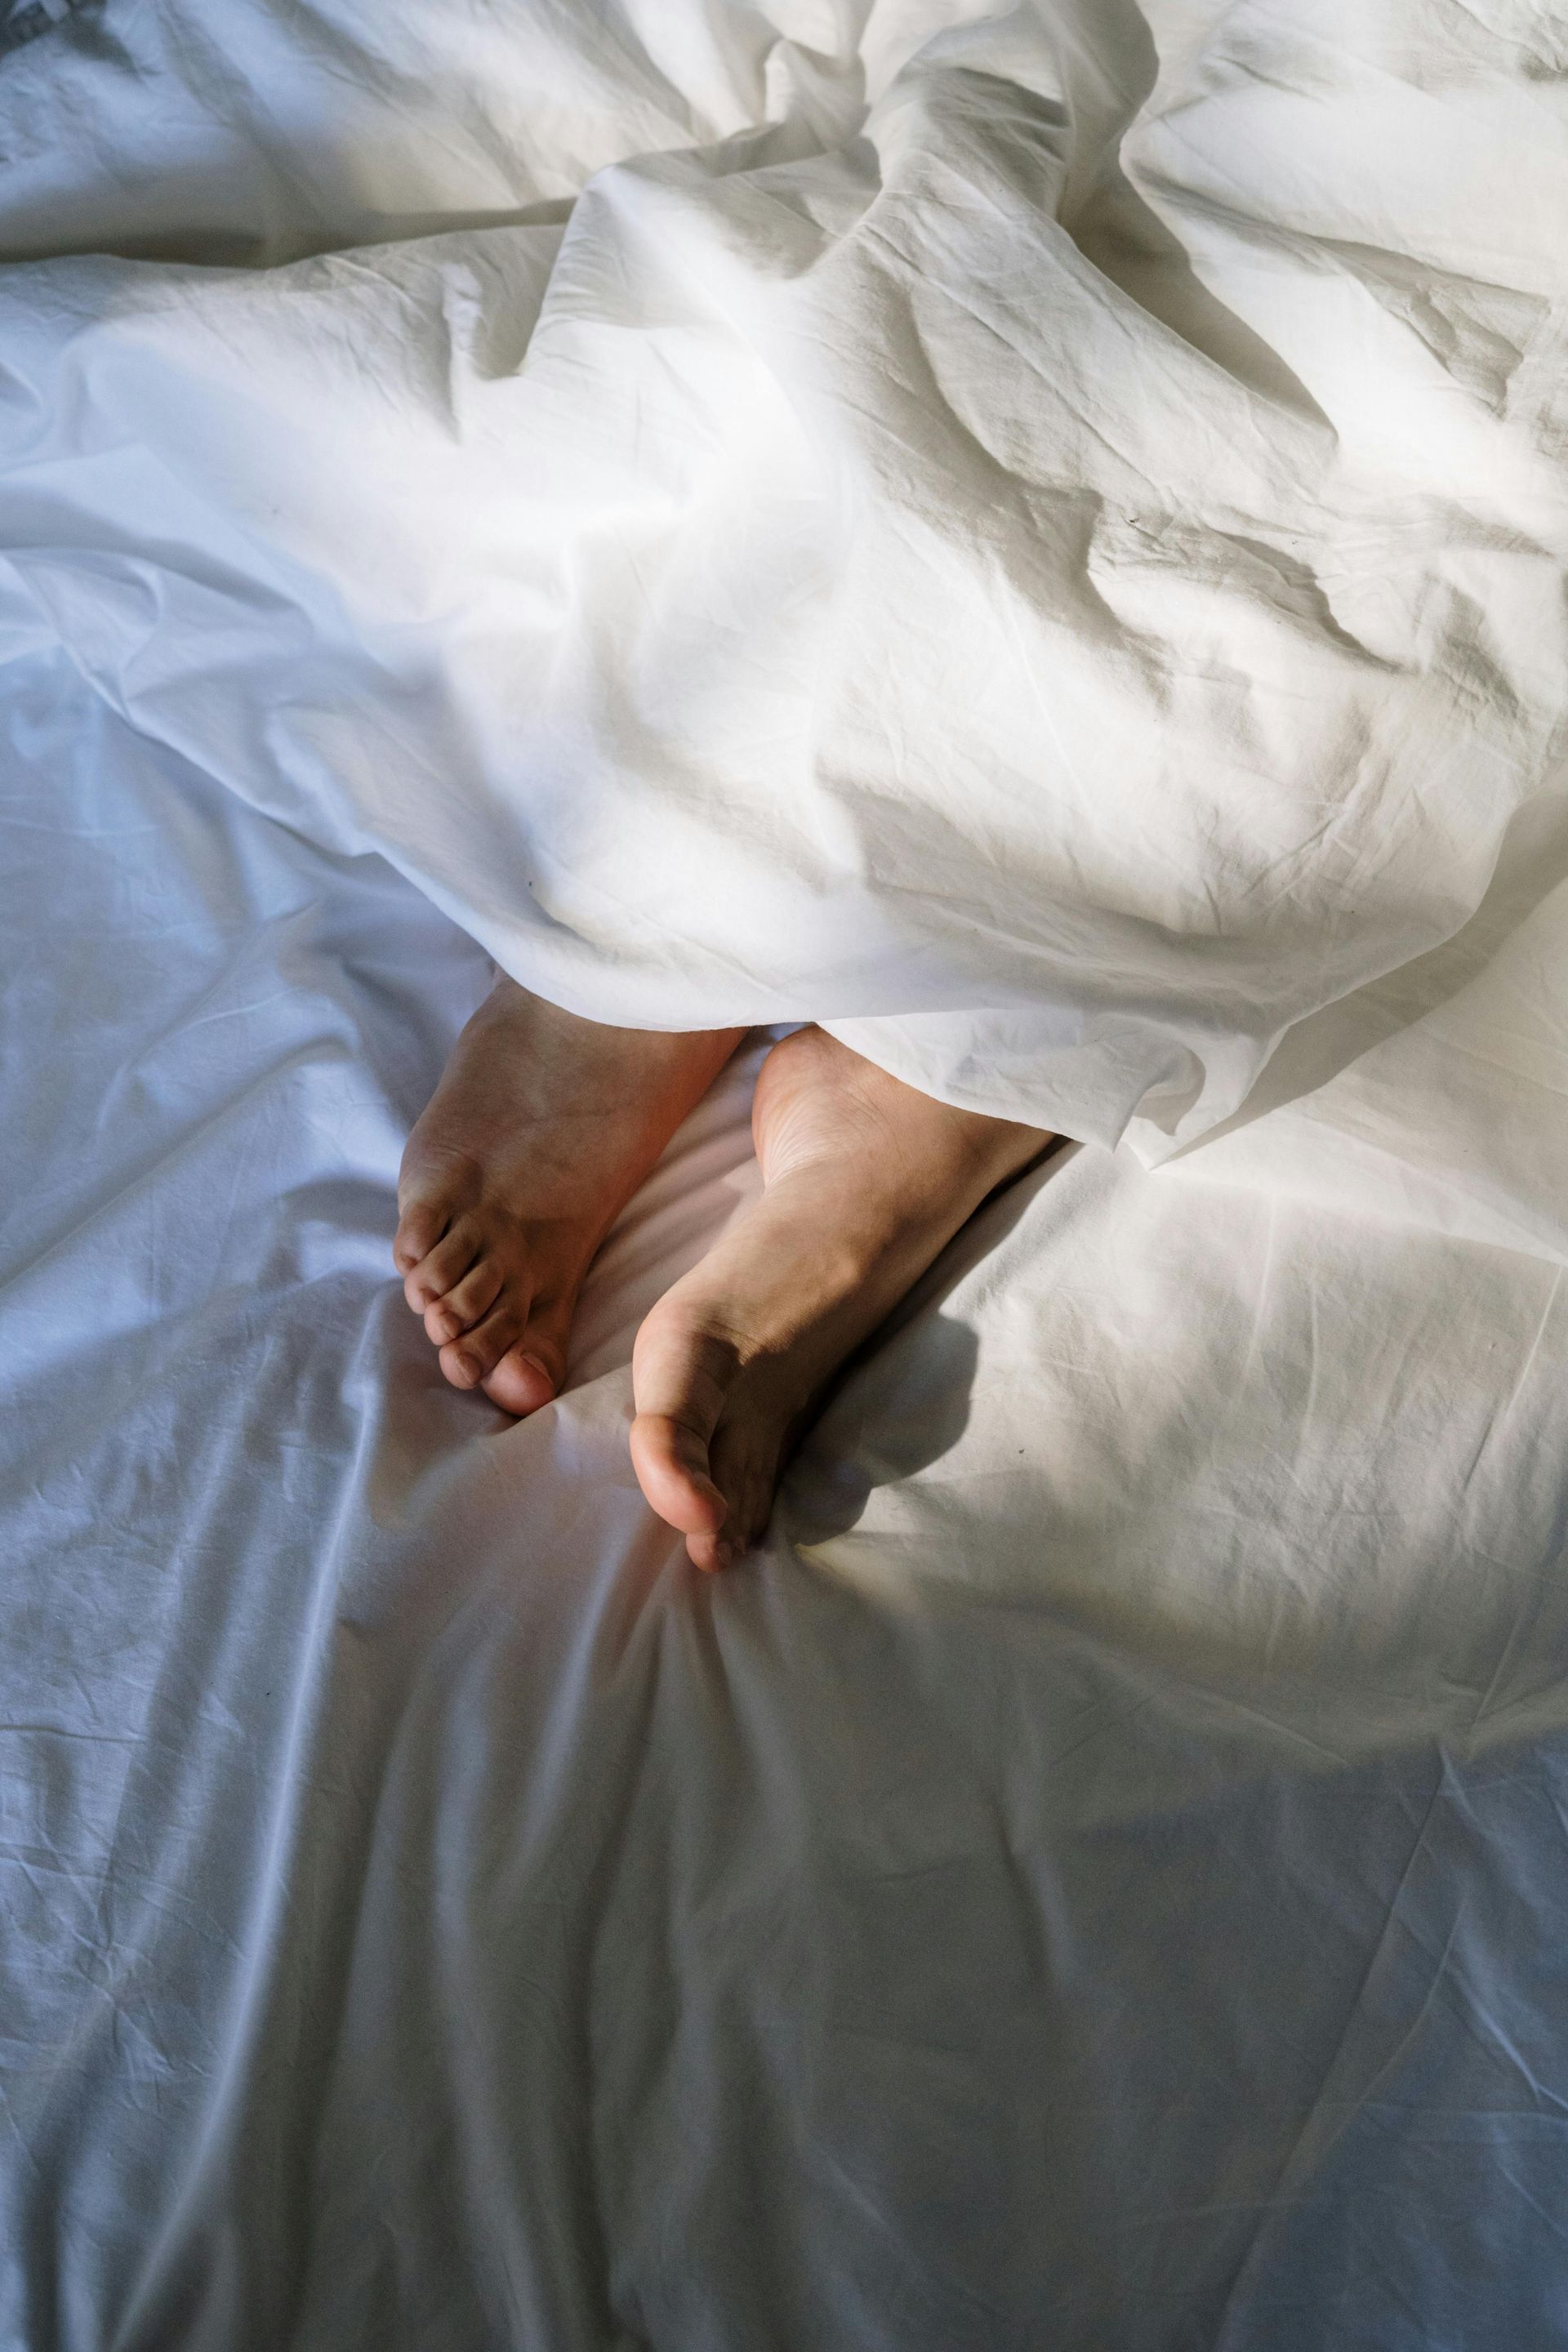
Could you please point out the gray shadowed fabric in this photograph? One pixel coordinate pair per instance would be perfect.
(24, 20)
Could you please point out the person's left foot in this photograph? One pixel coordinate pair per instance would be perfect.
(540, 1131)
(865, 1181)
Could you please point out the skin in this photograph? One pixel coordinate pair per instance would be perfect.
(540, 1131)
(543, 1128)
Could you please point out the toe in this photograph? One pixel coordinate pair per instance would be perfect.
(467, 1360)
(420, 1226)
(682, 1377)
(446, 1263)
(466, 1302)
(671, 1462)
(520, 1382)
(533, 1367)
(742, 1465)
(745, 1462)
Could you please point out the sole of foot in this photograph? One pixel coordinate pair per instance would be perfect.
(865, 1181)
(540, 1131)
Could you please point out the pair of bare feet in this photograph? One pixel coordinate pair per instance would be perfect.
(540, 1131)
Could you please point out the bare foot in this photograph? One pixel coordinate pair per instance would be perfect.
(865, 1181)
(540, 1131)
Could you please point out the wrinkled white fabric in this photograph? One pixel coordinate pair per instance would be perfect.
(1093, 1878)
(1032, 537)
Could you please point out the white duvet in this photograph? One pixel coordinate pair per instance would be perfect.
(1033, 536)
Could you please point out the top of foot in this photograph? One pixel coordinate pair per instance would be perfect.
(542, 1126)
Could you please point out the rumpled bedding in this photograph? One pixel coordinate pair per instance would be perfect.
(1033, 536)
(1094, 1878)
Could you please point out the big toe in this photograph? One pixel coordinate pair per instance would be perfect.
(682, 1377)
(672, 1461)
(533, 1367)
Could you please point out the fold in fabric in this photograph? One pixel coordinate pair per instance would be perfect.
(1043, 553)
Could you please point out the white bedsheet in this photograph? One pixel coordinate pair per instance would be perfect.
(1094, 1879)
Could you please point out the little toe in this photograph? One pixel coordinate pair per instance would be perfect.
(466, 1302)
(420, 1226)
(446, 1263)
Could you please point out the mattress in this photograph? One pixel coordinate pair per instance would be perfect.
(1091, 1877)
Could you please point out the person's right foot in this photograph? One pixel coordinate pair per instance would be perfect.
(540, 1131)
(864, 1182)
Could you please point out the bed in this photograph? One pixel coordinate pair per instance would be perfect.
(1093, 1878)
